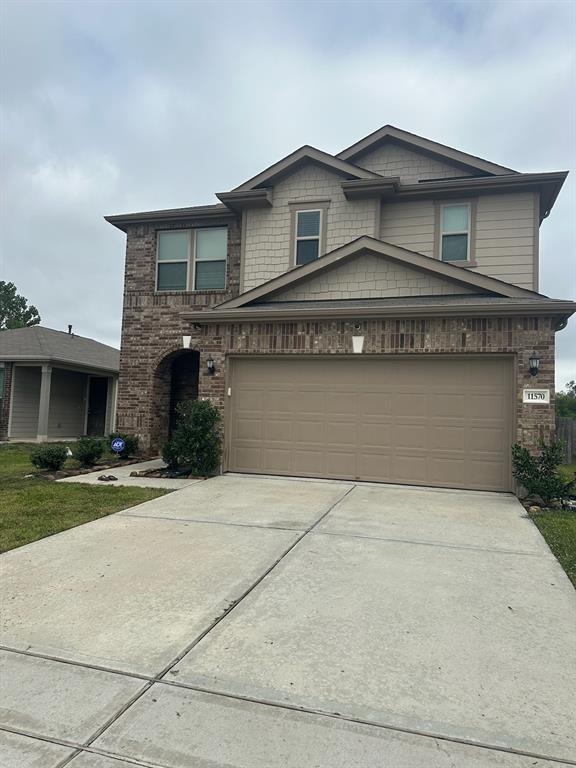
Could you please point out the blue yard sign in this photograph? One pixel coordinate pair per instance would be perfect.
(118, 445)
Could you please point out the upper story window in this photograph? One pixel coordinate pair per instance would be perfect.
(307, 240)
(1, 380)
(455, 232)
(192, 260)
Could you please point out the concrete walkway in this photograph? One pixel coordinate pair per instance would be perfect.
(247, 622)
(123, 475)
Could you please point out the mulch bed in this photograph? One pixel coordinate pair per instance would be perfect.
(101, 465)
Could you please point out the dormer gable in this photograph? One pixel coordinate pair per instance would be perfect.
(363, 152)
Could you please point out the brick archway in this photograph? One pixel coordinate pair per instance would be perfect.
(175, 380)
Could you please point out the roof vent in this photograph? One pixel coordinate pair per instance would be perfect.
(70, 330)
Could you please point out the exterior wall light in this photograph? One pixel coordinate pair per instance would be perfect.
(210, 367)
(533, 364)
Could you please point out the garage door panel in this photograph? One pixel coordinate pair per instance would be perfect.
(342, 402)
(434, 420)
(278, 429)
(248, 429)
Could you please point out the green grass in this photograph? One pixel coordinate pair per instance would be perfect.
(32, 507)
(568, 470)
(559, 529)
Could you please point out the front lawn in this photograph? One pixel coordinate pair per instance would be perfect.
(32, 507)
(559, 529)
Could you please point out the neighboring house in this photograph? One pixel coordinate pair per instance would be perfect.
(55, 385)
(367, 315)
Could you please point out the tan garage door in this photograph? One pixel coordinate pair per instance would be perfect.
(443, 421)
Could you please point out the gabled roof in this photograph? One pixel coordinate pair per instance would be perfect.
(44, 345)
(419, 143)
(300, 157)
(365, 244)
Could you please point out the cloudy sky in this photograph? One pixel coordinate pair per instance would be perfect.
(110, 107)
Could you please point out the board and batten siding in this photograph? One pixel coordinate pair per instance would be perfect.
(506, 242)
(67, 403)
(25, 401)
(267, 246)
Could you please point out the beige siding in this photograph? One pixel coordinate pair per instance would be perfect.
(410, 225)
(394, 160)
(110, 404)
(369, 277)
(25, 401)
(267, 247)
(505, 238)
(67, 403)
(505, 245)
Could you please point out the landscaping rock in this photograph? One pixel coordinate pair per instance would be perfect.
(534, 510)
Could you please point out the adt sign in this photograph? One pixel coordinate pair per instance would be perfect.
(118, 445)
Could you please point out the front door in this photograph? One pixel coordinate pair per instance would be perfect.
(97, 399)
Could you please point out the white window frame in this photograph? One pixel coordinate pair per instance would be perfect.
(186, 261)
(467, 232)
(190, 261)
(192, 279)
(318, 237)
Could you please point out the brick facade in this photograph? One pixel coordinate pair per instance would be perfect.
(5, 401)
(144, 395)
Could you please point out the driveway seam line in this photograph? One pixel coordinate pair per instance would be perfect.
(80, 748)
(245, 594)
(429, 543)
(83, 664)
(213, 522)
(156, 678)
(293, 708)
(263, 702)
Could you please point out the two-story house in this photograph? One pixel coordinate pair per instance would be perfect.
(372, 315)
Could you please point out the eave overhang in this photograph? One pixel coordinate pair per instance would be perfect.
(549, 308)
(198, 215)
(547, 184)
(59, 361)
(261, 197)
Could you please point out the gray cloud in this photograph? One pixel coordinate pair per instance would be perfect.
(118, 106)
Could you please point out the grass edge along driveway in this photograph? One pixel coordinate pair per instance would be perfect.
(33, 507)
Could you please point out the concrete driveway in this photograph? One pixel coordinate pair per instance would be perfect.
(247, 622)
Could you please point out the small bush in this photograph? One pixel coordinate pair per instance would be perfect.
(88, 450)
(170, 455)
(539, 474)
(50, 457)
(196, 440)
(132, 444)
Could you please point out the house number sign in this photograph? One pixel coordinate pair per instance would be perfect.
(536, 396)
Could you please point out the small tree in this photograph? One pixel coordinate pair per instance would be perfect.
(196, 440)
(15, 312)
(539, 474)
(566, 401)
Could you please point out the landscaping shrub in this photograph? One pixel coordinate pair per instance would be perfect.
(50, 457)
(196, 439)
(132, 444)
(88, 450)
(170, 455)
(539, 474)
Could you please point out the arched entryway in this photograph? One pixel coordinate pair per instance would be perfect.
(175, 380)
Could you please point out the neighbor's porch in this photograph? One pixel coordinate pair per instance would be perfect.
(60, 403)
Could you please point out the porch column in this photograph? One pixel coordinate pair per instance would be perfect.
(113, 395)
(44, 408)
